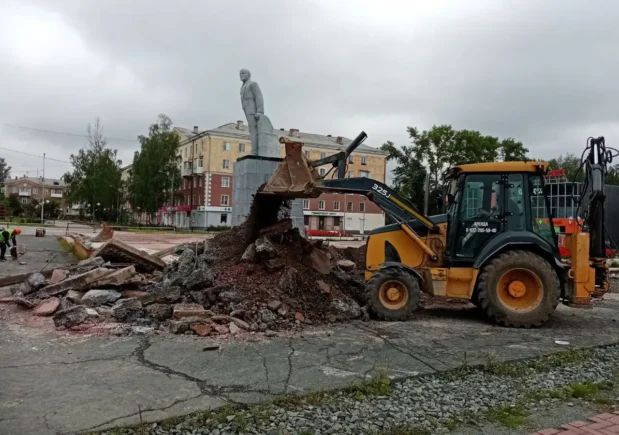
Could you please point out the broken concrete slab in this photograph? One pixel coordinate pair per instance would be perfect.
(168, 295)
(36, 281)
(71, 316)
(117, 251)
(89, 264)
(96, 297)
(48, 307)
(346, 264)
(77, 282)
(189, 310)
(116, 278)
(201, 329)
(137, 294)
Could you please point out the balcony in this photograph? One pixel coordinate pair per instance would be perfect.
(56, 194)
(186, 172)
(198, 170)
(24, 192)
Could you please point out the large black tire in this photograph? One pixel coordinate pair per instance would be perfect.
(501, 306)
(407, 285)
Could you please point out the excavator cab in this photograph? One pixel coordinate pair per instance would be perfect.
(495, 247)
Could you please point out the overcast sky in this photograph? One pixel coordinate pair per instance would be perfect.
(544, 72)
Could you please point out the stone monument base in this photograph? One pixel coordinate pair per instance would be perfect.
(251, 172)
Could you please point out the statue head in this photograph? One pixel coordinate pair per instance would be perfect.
(245, 75)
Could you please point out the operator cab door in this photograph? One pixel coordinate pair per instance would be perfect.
(475, 217)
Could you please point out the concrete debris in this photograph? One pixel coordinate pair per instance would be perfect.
(240, 323)
(142, 330)
(94, 298)
(47, 307)
(264, 249)
(234, 329)
(77, 282)
(36, 281)
(249, 256)
(299, 317)
(288, 281)
(169, 295)
(267, 316)
(346, 264)
(198, 279)
(159, 312)
(189, 310)
(117, 251)
(58, 275)
(347, 308)
(104, 235)
(71, 316)
(75, 296)
(127, 310)
(137, 294)
(116, 278)
(92, 312)
(89, 264)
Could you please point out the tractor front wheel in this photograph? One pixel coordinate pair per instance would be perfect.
(394, 293)
(519, 288)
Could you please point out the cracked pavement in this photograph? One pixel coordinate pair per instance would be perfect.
(66, 384)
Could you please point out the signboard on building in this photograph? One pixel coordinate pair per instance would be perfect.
(323, 213)
(214, 208)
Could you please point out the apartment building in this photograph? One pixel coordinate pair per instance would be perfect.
(206, 159)
(39, 188)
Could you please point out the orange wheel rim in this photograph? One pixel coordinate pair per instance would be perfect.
(520, 290)
(393, 295)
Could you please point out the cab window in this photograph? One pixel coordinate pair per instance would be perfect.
(479, 213)
(541, 219)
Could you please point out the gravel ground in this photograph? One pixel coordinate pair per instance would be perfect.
(436, 403)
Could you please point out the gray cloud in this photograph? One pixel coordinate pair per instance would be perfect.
(542, 72)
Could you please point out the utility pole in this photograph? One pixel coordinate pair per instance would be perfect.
(191, 195)
(43, 189)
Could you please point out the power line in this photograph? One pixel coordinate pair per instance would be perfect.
(40, 130)
(34, 155)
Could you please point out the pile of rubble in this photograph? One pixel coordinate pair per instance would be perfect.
(273, 280)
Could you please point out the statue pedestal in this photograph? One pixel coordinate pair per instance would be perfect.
(251, 172)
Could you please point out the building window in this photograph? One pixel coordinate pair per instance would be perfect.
(199, 181)
(306, 221)
(351, 159)
(365, 174)
(226, 146)
(322, 172)
(241, 147)
(200, 162)
(226, 164)
(35, 191)
(350, 174)
(323, 155)
(193, 199)
(307, 154)
(336, 205)
(306, 204)
(321, 205)
(225, 181)
(195, 184)
(185, 152)
(336, 222)
(223, 218)
(225, 200)
(349, 206)
(24, 200)
(364, 160)
(362, 207)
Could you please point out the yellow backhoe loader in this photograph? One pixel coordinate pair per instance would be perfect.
(496, 245)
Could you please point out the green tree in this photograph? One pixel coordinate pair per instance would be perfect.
(155, 167)
(31, 210)
(441, 147)
(5, 171)
(95, 178)
(14, 205)
(409, 175)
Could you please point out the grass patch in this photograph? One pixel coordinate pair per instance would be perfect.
(459, 372)
(404, 430)
(508, 416)
(292, 402)
(378, 385)
(542, 364)
(171, 422)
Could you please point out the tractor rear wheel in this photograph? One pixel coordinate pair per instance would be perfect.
(519, 288)
(394, 293)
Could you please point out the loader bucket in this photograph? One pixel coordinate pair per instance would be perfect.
(293, 178)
